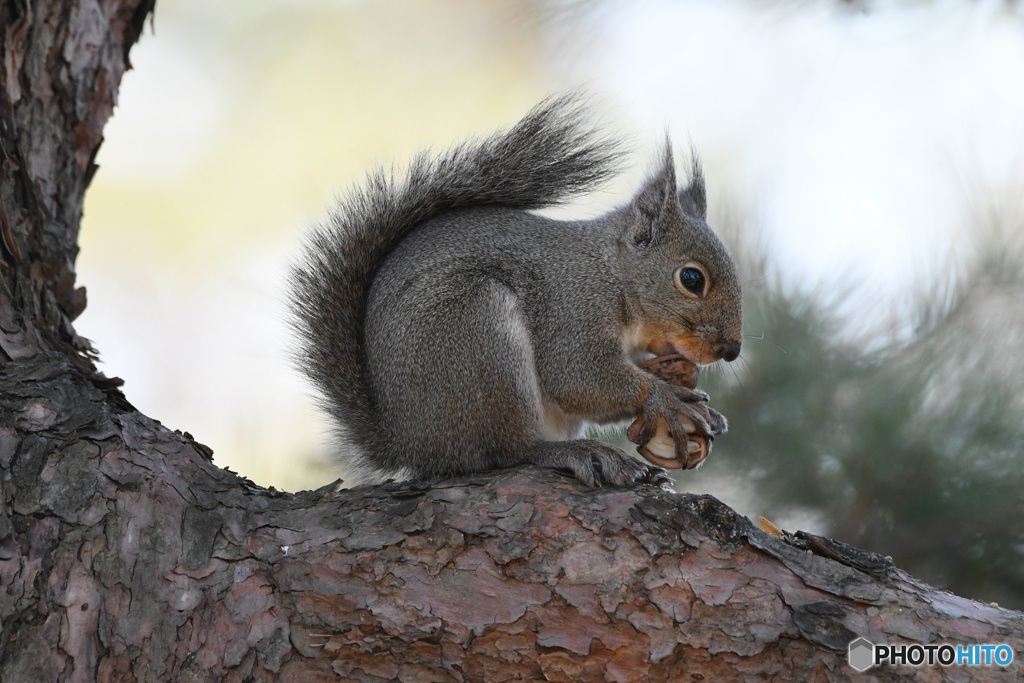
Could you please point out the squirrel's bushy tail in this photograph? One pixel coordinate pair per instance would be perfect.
(548, 156)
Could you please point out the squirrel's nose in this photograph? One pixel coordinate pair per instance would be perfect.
(730, 350)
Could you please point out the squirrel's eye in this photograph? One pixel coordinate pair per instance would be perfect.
(691, 280)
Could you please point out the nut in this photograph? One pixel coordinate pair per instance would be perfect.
(661, 449)
(674, 369)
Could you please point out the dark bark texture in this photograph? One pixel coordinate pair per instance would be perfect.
(125, 554)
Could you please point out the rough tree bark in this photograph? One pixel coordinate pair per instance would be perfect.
(125, 554)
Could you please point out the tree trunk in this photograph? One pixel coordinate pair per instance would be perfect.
(125, 554)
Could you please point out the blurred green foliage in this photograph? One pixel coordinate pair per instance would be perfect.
(911, 448)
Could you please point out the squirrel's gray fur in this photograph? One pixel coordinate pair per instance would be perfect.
(449, 330)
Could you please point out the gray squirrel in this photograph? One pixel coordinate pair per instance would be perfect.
(449, 329)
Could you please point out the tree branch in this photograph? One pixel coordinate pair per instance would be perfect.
(129, 553)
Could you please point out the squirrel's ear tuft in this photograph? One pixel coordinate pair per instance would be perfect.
(650, 205)
(693, 197)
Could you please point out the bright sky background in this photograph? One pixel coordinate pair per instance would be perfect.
(863, 146)
(861, 140)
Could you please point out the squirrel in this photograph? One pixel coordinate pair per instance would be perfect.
(450, 329)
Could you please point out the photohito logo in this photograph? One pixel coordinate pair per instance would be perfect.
(863, 654)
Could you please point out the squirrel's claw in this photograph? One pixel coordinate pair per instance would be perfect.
(716, 421)
(690, 395)
(594, 463)
(675, 429)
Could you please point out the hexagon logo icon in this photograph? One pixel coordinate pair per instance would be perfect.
(862, 654)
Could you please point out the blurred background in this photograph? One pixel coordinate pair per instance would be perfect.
(865, 161)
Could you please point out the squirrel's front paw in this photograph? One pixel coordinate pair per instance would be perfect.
(675, 429)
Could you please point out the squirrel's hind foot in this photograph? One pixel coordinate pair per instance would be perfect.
(596, 464)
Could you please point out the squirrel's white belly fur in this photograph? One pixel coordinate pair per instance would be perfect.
(555, 424)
